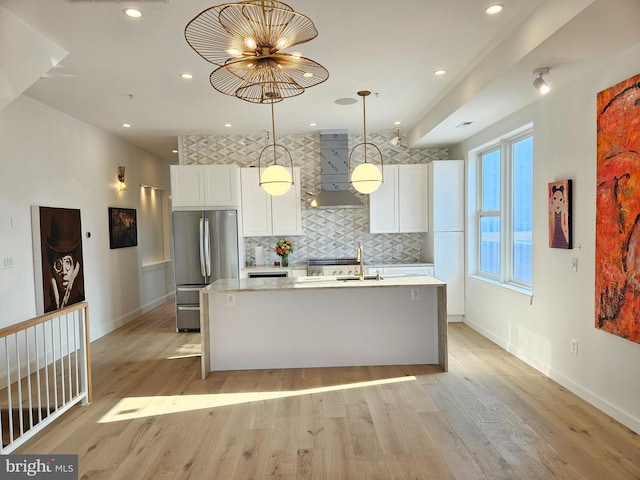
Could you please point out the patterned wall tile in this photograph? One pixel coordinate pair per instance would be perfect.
(328, 233)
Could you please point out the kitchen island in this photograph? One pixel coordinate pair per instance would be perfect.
(304, 322)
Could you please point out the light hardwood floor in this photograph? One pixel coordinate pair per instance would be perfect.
(490, 417)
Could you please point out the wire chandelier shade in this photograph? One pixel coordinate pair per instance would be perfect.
(245, 40)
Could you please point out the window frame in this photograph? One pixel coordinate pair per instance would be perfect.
(488, 213)
(505, 212)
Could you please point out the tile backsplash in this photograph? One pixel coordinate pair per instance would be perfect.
(328, 233)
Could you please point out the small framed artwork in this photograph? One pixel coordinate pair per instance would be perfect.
(559, 198)
(123, 228)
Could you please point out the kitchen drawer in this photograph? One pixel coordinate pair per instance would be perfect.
(188, 294)
(187, 318)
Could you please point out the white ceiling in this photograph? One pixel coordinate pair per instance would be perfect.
(390, 48)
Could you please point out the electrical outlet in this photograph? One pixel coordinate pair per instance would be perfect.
(415, 294)
(7, 262)
(231, 300)
(574, 346)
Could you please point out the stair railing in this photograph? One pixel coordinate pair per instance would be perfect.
(45, 369)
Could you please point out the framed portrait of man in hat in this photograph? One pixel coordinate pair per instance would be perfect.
(60, 248)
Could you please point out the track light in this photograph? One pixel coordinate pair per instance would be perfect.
(539, 84)
(394, 141)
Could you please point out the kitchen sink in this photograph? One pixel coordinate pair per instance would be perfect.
(356, 277)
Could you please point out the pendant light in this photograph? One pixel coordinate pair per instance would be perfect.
(366, 177)
(275, 179)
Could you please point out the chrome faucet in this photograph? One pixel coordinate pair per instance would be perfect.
(360, 258)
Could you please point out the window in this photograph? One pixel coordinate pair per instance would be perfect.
(504, 210)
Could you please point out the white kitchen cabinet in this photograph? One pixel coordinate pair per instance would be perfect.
(383, 203)
(449, 226)
(408, 270)
(204, 186)
(402, 270)
(449, 267)
(401, 204)
(267, 215)
(448, 195)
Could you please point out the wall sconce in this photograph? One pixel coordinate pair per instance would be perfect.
(123, 185)
(539, 84)
(366, 177)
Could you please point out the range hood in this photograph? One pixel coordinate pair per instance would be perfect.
(336, 199)
(334, 172)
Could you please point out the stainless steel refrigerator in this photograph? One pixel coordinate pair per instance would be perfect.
(205, 248)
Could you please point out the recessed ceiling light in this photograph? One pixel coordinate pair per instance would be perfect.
(174, 151)
(312, 124)
(186, 75)
(493, 9)
(126, 125)
(397, 122)
(227, 125)
(440, 72)
(132, 12)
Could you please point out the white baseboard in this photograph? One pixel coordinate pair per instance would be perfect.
(132, 315)
(585, 394)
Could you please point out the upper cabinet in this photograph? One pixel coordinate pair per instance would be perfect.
(204, 186)
(267, 215)
(448, 195)
(401, 204)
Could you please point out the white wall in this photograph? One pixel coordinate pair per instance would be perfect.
(50, 159)
(538, 330)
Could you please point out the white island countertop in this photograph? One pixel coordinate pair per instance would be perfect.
(295, 283)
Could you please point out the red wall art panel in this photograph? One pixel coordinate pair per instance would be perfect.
(618, 210)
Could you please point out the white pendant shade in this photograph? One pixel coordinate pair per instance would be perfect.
(276, 180)
(366, 178)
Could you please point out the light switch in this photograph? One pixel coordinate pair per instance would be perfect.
(574, 264)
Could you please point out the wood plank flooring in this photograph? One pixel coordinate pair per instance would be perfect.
(490, 417)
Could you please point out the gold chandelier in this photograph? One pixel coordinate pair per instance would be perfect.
(245, 40)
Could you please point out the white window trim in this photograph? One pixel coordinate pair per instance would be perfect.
(503, 143)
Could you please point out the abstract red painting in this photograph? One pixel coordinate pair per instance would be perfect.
(617, 285)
